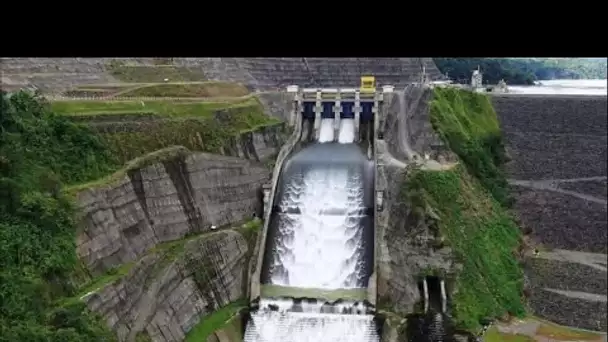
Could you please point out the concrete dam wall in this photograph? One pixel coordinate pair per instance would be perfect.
(60, 74)
(557, 146)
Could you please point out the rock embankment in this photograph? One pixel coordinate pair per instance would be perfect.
(558, 147)
(168, 291)
(167, 199)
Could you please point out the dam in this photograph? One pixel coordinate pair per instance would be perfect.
(339, 254)
(318, 255)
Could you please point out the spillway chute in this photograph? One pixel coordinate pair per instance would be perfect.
(319, 233)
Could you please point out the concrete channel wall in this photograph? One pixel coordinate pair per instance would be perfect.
(284, 153)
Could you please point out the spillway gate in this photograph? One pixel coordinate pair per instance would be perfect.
(316, 104)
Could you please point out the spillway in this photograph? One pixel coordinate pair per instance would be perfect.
(310, 323)
(320, 236)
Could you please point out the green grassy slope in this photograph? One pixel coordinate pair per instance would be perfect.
(155, 73)
(470, 201)
(135, 128)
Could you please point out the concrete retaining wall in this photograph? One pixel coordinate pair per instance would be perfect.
(258, 253)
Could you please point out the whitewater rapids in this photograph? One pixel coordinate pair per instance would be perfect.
(319, 242)
(320, 227)
(309, 323)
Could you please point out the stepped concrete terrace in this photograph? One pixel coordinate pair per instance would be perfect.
(54, 75)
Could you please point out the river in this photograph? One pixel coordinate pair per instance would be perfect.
(566, 87)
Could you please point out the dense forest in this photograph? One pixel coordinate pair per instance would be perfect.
(522, 70)
(39, 152)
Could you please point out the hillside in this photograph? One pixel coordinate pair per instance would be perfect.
(50, 152)
(522, 71)
(471, 203)
(130, 191)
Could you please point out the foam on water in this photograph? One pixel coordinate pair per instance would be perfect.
(308, 324)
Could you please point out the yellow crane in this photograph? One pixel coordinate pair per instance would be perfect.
(368, 84)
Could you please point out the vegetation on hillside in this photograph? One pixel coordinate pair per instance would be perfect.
(484, 238)
(522, 70)
(467, 122)
(208, 89)
(160, 107)
(40, 151)
(154, 73)
(469, 203)
(209, 324)
(199, 89)
(134, 128)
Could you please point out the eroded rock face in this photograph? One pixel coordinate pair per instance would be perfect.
(162, 202)
(260, 145)
(405, 244)
(406, 249)
(277, 104)
(167, 292)
(407, 125)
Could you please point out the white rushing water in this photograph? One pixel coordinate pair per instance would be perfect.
(321, 241)
(346, 131)
(309, 323)
(320, 247)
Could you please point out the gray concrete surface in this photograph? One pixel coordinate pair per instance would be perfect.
(164, 297)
